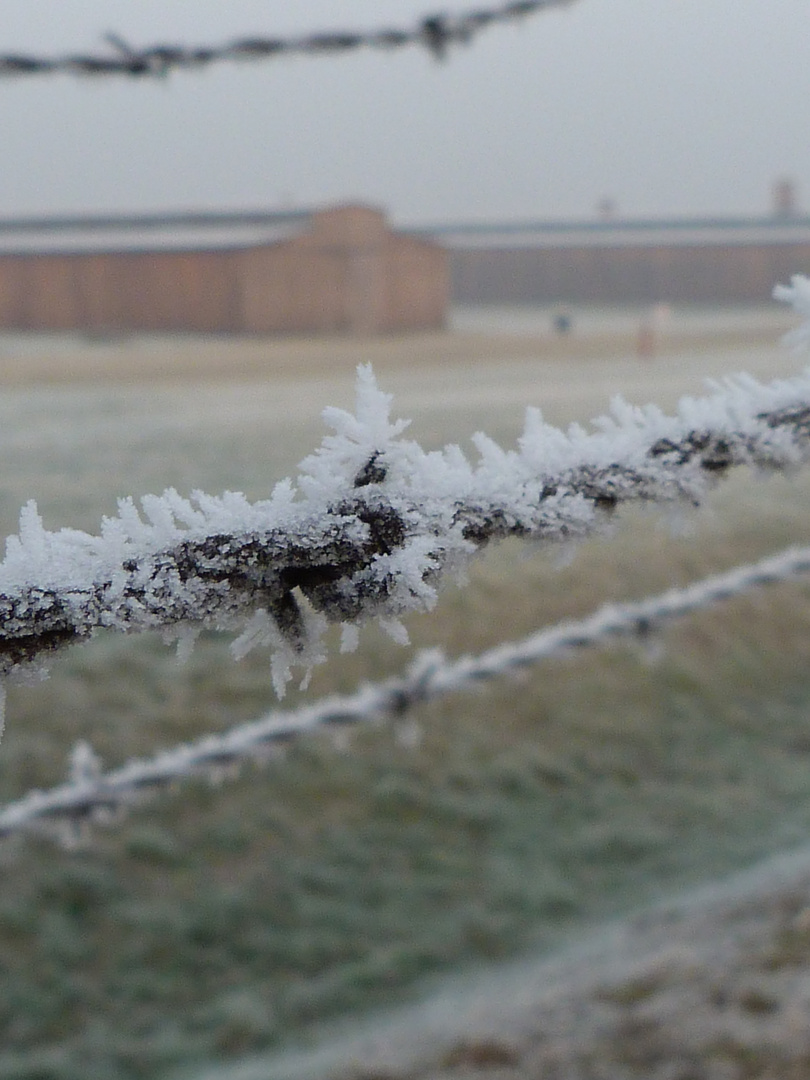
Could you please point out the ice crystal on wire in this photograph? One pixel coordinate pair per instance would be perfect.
(85, 764)
(358, 438)
(306, 653)
(797, 294)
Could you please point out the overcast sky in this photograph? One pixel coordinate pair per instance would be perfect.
(670, 107)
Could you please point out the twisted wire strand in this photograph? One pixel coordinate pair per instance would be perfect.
(374, 525)
(92, 793)
(436, 33)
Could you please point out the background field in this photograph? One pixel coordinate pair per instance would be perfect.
(234, 919)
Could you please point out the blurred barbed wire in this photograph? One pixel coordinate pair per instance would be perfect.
(436, 33)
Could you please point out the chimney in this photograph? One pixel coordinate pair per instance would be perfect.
(785, 203)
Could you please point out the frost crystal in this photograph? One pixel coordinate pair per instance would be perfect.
(797, 294)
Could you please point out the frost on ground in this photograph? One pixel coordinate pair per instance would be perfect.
(710, 986)
(373, 522)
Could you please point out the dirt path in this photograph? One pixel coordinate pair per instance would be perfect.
(712, 986)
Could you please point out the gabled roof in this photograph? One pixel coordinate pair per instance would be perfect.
(632, 233)
(195, 231)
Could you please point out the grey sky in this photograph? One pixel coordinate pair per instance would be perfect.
(672, 107)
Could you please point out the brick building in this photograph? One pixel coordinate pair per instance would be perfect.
(339, 270)
(719, 261)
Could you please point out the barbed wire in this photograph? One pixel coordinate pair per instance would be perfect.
(436, 33)
(92, 794)
(373, 524)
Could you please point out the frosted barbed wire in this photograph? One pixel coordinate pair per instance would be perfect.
(91, 791)
(798, 295)
(373, 523)
(437, 33)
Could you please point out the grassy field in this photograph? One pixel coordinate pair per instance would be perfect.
(231, 919)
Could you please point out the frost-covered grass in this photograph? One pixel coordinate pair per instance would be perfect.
(226, 919)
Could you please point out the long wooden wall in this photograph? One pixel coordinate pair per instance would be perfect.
(348, 274)
(416, 283)
(704, 274)
(118, 291)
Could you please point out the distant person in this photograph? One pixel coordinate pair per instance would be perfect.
(563, 323)
(652, 325)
